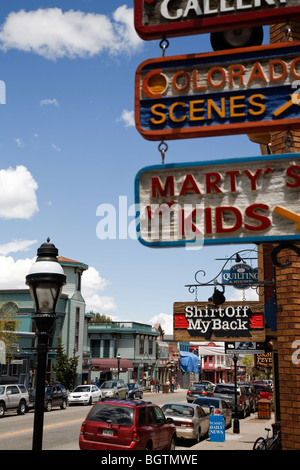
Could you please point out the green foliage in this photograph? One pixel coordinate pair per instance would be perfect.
(65, 368)
(99, 318)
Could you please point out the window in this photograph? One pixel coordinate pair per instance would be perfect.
(77, 320)
(78, 281)
(142, 345)
(106, 348)
(150, 347)
(95, 347)
(142, 417)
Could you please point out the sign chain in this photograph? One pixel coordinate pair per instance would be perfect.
(163, 147)
(288, 141)
(164, 44)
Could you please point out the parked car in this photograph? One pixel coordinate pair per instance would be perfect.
(114, 424)
(55, 395)
(114, 388)
(13, 397)
(197, 389)
(216, 406)
(263, 390)
(84, 395)
(191, 421)
(227, 393)
(135, 390)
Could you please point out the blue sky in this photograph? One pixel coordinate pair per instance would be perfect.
(68, 145)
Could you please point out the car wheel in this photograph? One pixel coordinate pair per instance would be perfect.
(2, 410)
(64, 405)
(48, 406)
(22, 408)
(172, 443)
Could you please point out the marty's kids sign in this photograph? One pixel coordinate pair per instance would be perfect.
(249, 90)
(231, 321)
(155, 19)
(246, 200)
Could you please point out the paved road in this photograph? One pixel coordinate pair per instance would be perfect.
(62, 427)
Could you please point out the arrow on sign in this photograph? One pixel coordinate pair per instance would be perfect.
(288, 214)
(287, 105)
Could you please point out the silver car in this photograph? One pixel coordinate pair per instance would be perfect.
(190, 420)
(13, 397)
(114, 388)
(216, 406)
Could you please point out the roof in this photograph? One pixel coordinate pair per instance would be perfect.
(67, 262)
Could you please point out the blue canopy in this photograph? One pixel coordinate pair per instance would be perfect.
(189, 362)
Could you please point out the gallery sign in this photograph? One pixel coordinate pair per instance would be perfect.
(246, 200)
(155, 19)
(240, 276)
(245, 348)
(241, 91)
(231, 321)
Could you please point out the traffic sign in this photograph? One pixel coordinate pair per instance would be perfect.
(156, 19)
(248, 90)
(246, 200)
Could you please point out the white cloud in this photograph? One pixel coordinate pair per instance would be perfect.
(165, 320)
(54, 146)
(92, 282)
(55, 34)
(19, 142)
(52, 102)
(18, 193)
(238, 294)
(15, 246)
(13, 273)
(128, 118)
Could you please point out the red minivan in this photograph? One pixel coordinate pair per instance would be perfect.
(114, 424)
(263, 390)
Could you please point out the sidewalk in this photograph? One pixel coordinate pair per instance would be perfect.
(250, 429)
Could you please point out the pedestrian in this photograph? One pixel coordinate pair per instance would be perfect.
(157, 386)
(152, 383)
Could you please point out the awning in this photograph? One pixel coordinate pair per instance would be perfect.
(112, 365)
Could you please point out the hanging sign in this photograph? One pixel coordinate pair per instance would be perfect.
(245, 348)
(156, 19)
(246, 200)
(243, 91)
(231, 321)
(240, 276)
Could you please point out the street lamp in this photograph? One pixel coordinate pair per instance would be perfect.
(118, 359)
(236, 423)
(45, 280)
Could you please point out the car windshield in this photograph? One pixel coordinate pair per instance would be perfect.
(114, 414)
(224, 389)
(109, 384)
(178, 410)
(82, 388)
(2, 390)
(197, 387)
(207, 402)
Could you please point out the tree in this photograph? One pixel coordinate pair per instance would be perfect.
(65, 368)
(100, 318)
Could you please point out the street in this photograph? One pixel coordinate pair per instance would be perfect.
(62, 427)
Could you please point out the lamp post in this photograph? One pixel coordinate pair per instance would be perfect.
(236, 423)
(45, 280)
(118, 359)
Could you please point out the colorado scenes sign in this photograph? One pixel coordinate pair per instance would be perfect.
(246, 200)
(234, 321)
(155, 19)
(240, 91)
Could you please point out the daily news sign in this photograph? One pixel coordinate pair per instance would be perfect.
(246, 200)
(155, 19)
(231, 321)
(241, 91)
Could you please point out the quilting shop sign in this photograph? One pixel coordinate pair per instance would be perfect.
(155, 19)
(234, 321)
